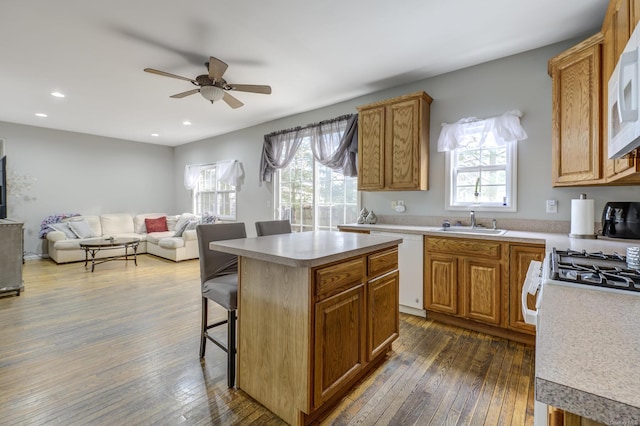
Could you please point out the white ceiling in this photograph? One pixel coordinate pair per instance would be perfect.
(313, 54)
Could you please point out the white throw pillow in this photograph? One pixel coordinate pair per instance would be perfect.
(172, 220)
(186, 226)
(82, 229)
(64, 228)
(182, 223)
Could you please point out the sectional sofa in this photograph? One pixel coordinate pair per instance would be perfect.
(171, 236)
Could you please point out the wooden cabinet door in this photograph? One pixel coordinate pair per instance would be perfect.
(393, 143)
(371, 133)
(482, 287)
(634, 13)
(383, 314)
(576, 131)
(402, 149)
(519, 259)
(617, 29)
(441, 283)
(340, 342)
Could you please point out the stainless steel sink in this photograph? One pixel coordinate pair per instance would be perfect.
(470, 230)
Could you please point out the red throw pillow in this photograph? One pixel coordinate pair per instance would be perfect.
(156, 225)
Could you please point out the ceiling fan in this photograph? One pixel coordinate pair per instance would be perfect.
(212, 86)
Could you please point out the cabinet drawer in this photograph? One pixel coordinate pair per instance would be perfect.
(475, 248)
(382, 262)
(339, 276)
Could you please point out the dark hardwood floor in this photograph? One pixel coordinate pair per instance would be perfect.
(120, 347)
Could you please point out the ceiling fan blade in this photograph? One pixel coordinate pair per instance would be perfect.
(166, 74)
(253, 88)
(231, 101)
(187, 93)
(216, 68)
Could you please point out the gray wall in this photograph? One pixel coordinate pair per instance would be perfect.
(78, 173)
(92, 174)
(516, 82)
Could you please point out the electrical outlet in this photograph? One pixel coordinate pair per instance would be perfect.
(552, 206)
(394, 203)
(400, 203)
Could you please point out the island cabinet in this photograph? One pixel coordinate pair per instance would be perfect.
(465, 278)
(356, 319)
(316, 312)
(393, 144)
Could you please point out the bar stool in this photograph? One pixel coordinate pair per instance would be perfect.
(273, 227)
(219, 283)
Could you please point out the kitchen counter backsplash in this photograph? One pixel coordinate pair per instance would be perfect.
(527, 225)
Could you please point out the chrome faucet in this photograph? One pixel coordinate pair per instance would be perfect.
(472, 214)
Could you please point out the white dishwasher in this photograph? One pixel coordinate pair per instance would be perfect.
(410, 264)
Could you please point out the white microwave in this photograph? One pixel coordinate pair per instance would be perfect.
(624, 91)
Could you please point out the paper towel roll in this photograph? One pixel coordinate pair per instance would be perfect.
(582, 221)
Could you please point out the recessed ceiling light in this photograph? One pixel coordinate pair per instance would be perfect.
(186, 123)
(39, 114)
(57, 94)
(155, 135)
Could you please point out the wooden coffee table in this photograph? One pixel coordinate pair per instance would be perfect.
(94, 246)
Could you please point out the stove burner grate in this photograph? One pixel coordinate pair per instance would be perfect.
(594, 269)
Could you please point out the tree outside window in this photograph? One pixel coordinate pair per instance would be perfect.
(483, 177)
(314, 197)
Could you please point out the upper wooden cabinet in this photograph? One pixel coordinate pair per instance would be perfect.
(621, 18)
(576, 100)
(580, 105)
(393, 144)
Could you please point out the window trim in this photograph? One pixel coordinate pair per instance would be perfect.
(511, 180)
(277, 213)
(215, 193)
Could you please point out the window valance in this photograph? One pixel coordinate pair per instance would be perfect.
(493, 131)
(334, 143)
(229, 172)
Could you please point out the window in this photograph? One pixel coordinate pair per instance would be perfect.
(482, 176)
(213, 196)
(312, 196)
(482, 162)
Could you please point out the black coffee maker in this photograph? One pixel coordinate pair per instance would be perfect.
(621, 220)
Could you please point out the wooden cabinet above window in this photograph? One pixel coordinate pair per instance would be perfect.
(393, 144)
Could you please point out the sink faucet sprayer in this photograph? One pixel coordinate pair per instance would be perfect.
(472, 214)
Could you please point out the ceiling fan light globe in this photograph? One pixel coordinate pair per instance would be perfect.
(212, 93)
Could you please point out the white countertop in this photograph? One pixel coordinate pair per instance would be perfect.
(588, 347)
(551, 240)
(588, 341)
(305, 249)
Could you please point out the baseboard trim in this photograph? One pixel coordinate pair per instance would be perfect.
(413, 311)
(34, 256)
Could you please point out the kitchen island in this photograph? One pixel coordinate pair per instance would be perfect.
(316, 311)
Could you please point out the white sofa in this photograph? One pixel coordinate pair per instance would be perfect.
(64, 242)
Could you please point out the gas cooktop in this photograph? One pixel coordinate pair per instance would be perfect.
(594, 269)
